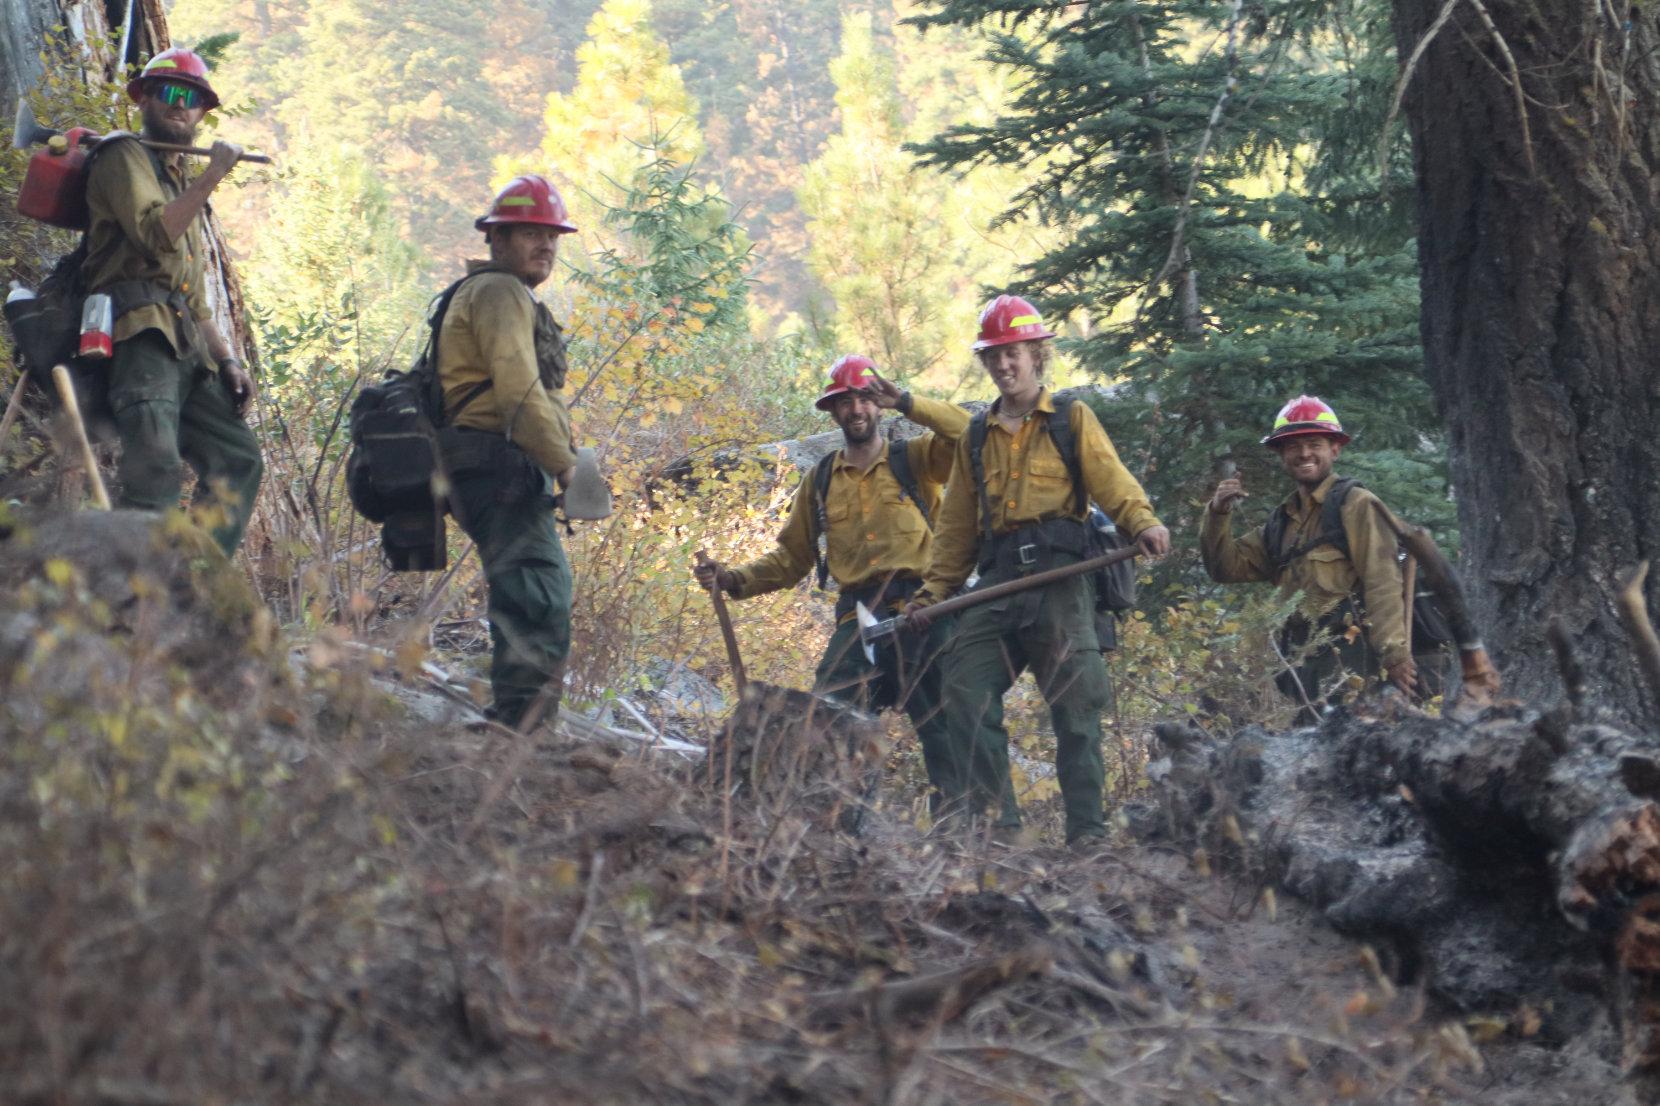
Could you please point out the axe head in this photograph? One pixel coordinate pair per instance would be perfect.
(26, 131)
(587, 496)
(873, 629)
(866, 621)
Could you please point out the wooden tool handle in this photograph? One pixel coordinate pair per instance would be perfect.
(170, 148)
(13, 408)
(72, 406)
(726, 631)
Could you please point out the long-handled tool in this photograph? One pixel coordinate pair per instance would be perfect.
(14, 407)
(872, 629)
(1481, 679)
(72, 407)
(726, 631)
(28, 132)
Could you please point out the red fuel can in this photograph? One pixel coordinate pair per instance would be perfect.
(54, 187)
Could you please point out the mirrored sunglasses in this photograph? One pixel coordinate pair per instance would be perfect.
(176, 95)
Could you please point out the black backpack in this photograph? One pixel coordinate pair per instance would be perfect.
(899, 462)
(393, 429)
(1430, 628)
(1115, 584)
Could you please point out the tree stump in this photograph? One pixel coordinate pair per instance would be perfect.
(786, 752)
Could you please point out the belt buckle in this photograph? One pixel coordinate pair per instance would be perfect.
(1026, 556)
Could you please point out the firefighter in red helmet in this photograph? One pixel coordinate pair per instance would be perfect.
(177, 391)
(1021, 486)
(870, 505)
(507, 442)
(1325, 542)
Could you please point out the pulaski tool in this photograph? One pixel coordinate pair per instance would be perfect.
(873, 629)
(54, 185)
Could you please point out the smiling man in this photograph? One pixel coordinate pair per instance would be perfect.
(871, 503)
(1325, 542)
(501, 365)
(177, 392)
(1019, 495)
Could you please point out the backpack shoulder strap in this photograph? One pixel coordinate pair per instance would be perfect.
(899, 463)
(977, 461)
(428, 363)
(1331, 532)
(822, 472)
(1066, 444)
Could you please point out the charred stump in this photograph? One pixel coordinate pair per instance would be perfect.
(788, 753)
(1509, 864)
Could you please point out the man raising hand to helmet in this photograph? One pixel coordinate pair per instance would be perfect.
(871, 503)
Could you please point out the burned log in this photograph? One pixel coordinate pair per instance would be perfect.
(1509, 863)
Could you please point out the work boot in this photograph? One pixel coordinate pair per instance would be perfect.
(1087, 844)
(1013, 837)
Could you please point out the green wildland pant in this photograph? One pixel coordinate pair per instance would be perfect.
(1052, 632)
(170, 411)
(509, 515)
(906, 676)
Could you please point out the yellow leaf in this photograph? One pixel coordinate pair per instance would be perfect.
(60, 572)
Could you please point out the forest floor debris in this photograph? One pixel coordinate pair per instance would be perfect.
(309, 891)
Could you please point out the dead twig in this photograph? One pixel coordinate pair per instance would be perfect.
(1634, 613)
(939, 998)
(1515, 81)
(1407, 70)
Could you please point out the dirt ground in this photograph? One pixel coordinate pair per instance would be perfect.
(235, 877)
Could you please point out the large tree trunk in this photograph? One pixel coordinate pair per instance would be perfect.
(1539, 245)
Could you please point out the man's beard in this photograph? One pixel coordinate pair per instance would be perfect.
(862, 437)
(158, 127)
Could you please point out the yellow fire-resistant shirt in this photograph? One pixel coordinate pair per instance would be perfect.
(126, 241)
(1324, 575)
(1027, 482)
(874, 529)
(490, 333)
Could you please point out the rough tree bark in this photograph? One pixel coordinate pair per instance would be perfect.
(1537, 142)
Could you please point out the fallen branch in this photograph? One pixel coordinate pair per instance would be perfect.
(937, 998)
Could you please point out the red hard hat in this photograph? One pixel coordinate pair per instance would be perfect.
(1306, 415)
(531, 198)
(175, 64)
(849, 374)
(1009, 319)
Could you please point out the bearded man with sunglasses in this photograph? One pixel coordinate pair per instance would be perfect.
(177, 391)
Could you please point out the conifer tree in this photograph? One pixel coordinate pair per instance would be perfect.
(1198, 162)
(629, 109)
(899, 248)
